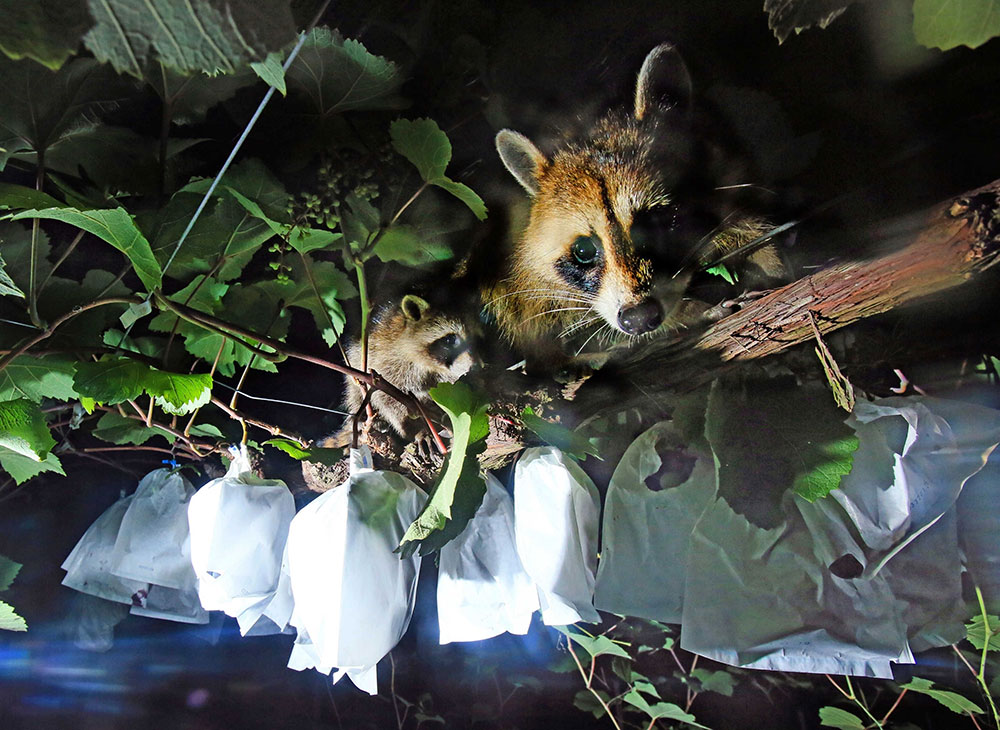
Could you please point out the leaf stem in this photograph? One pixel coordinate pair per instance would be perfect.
(583, 674)
(33, 263)
(80, 309)
(62, 257)
(987, 635)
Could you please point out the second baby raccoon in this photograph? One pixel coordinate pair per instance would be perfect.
(414, 346)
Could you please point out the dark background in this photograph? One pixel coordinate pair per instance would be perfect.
(852, 124)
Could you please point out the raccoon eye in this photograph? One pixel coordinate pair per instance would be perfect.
(446, 349)
(584, 250)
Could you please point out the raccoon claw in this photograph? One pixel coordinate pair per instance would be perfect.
(423, 445)
(731, 306)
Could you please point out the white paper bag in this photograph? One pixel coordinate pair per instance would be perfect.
(171, 604)
(556, 513)
(483, 590)
(239, 525)
(646, 532)
(88, 566)
(152, 543)
(353, 595)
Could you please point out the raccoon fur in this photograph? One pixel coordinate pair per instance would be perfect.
(620, 221)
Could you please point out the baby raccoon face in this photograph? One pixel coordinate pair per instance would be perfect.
(442, 345)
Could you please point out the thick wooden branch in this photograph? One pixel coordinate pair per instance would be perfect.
(957, 240)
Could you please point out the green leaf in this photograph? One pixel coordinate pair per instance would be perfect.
(47, 31)
(117, 228)
(8, 572)
(305, 240)
(111, 380)
(585, 701)
(292, 448)
(188, 97)
(316, 287)
(952, 700)
(40, 107)
(23, 467)
(835, 717)
(771, 435)
(9, 620)
(34, 378)
(595, 646)
(114, 380)
(946, 24)
(23, 429)
(975, 631)
(271, 72)
(406, 245)
(785, 16)
(721, 682)
(223, 240)
(423, 143)
(197, 35)
(460, 487)
(338, 76)
(18, 197)
(7, 285)
(723, 271)
(660, 710)
(179, 393)
(569, 442)
(117, 429)
(466, 194)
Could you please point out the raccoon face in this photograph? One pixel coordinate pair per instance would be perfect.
(604, 235)
(442, 346)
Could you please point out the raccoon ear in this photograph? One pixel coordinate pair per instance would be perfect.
(414, 307)
(663, 84)
(520, 156)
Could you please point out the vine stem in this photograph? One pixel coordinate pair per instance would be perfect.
(583, 673)
(65, 254)
(6, 359)
(33, 264)
(849, 694)
(281, 349)
(987, 635)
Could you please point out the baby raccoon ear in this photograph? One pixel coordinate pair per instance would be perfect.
(520, 156)
(414, 307)
(664, 83)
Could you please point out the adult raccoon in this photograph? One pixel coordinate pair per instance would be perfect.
(621, 219)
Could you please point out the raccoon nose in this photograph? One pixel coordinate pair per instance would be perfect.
(644, 317)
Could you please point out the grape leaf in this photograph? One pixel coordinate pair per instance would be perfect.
(406, 245)
(114, 380)
(197, 35)
(271, 72)
(975, 631)
(117, 429)
(114, 226)
(338, 75)
(836, 717)
(720, 681)
(23, 467)
(7, 285)
(666, 710)
(9, 620)
(47, 31)
(41, 107)
(771, 436)
(569, 442)
(952, 700)
(188, 97)
(23, 429)
(595, 646)
(585, 701)
(34, 378)
(20, 197)
(8, 572)
(785, 16)
(423, 143)
(460, 487)
(946, 24)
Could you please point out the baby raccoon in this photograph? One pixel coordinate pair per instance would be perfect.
(414, 346)
(619, 223)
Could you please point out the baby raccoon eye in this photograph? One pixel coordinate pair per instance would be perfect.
(446, 349)
(584, 250)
